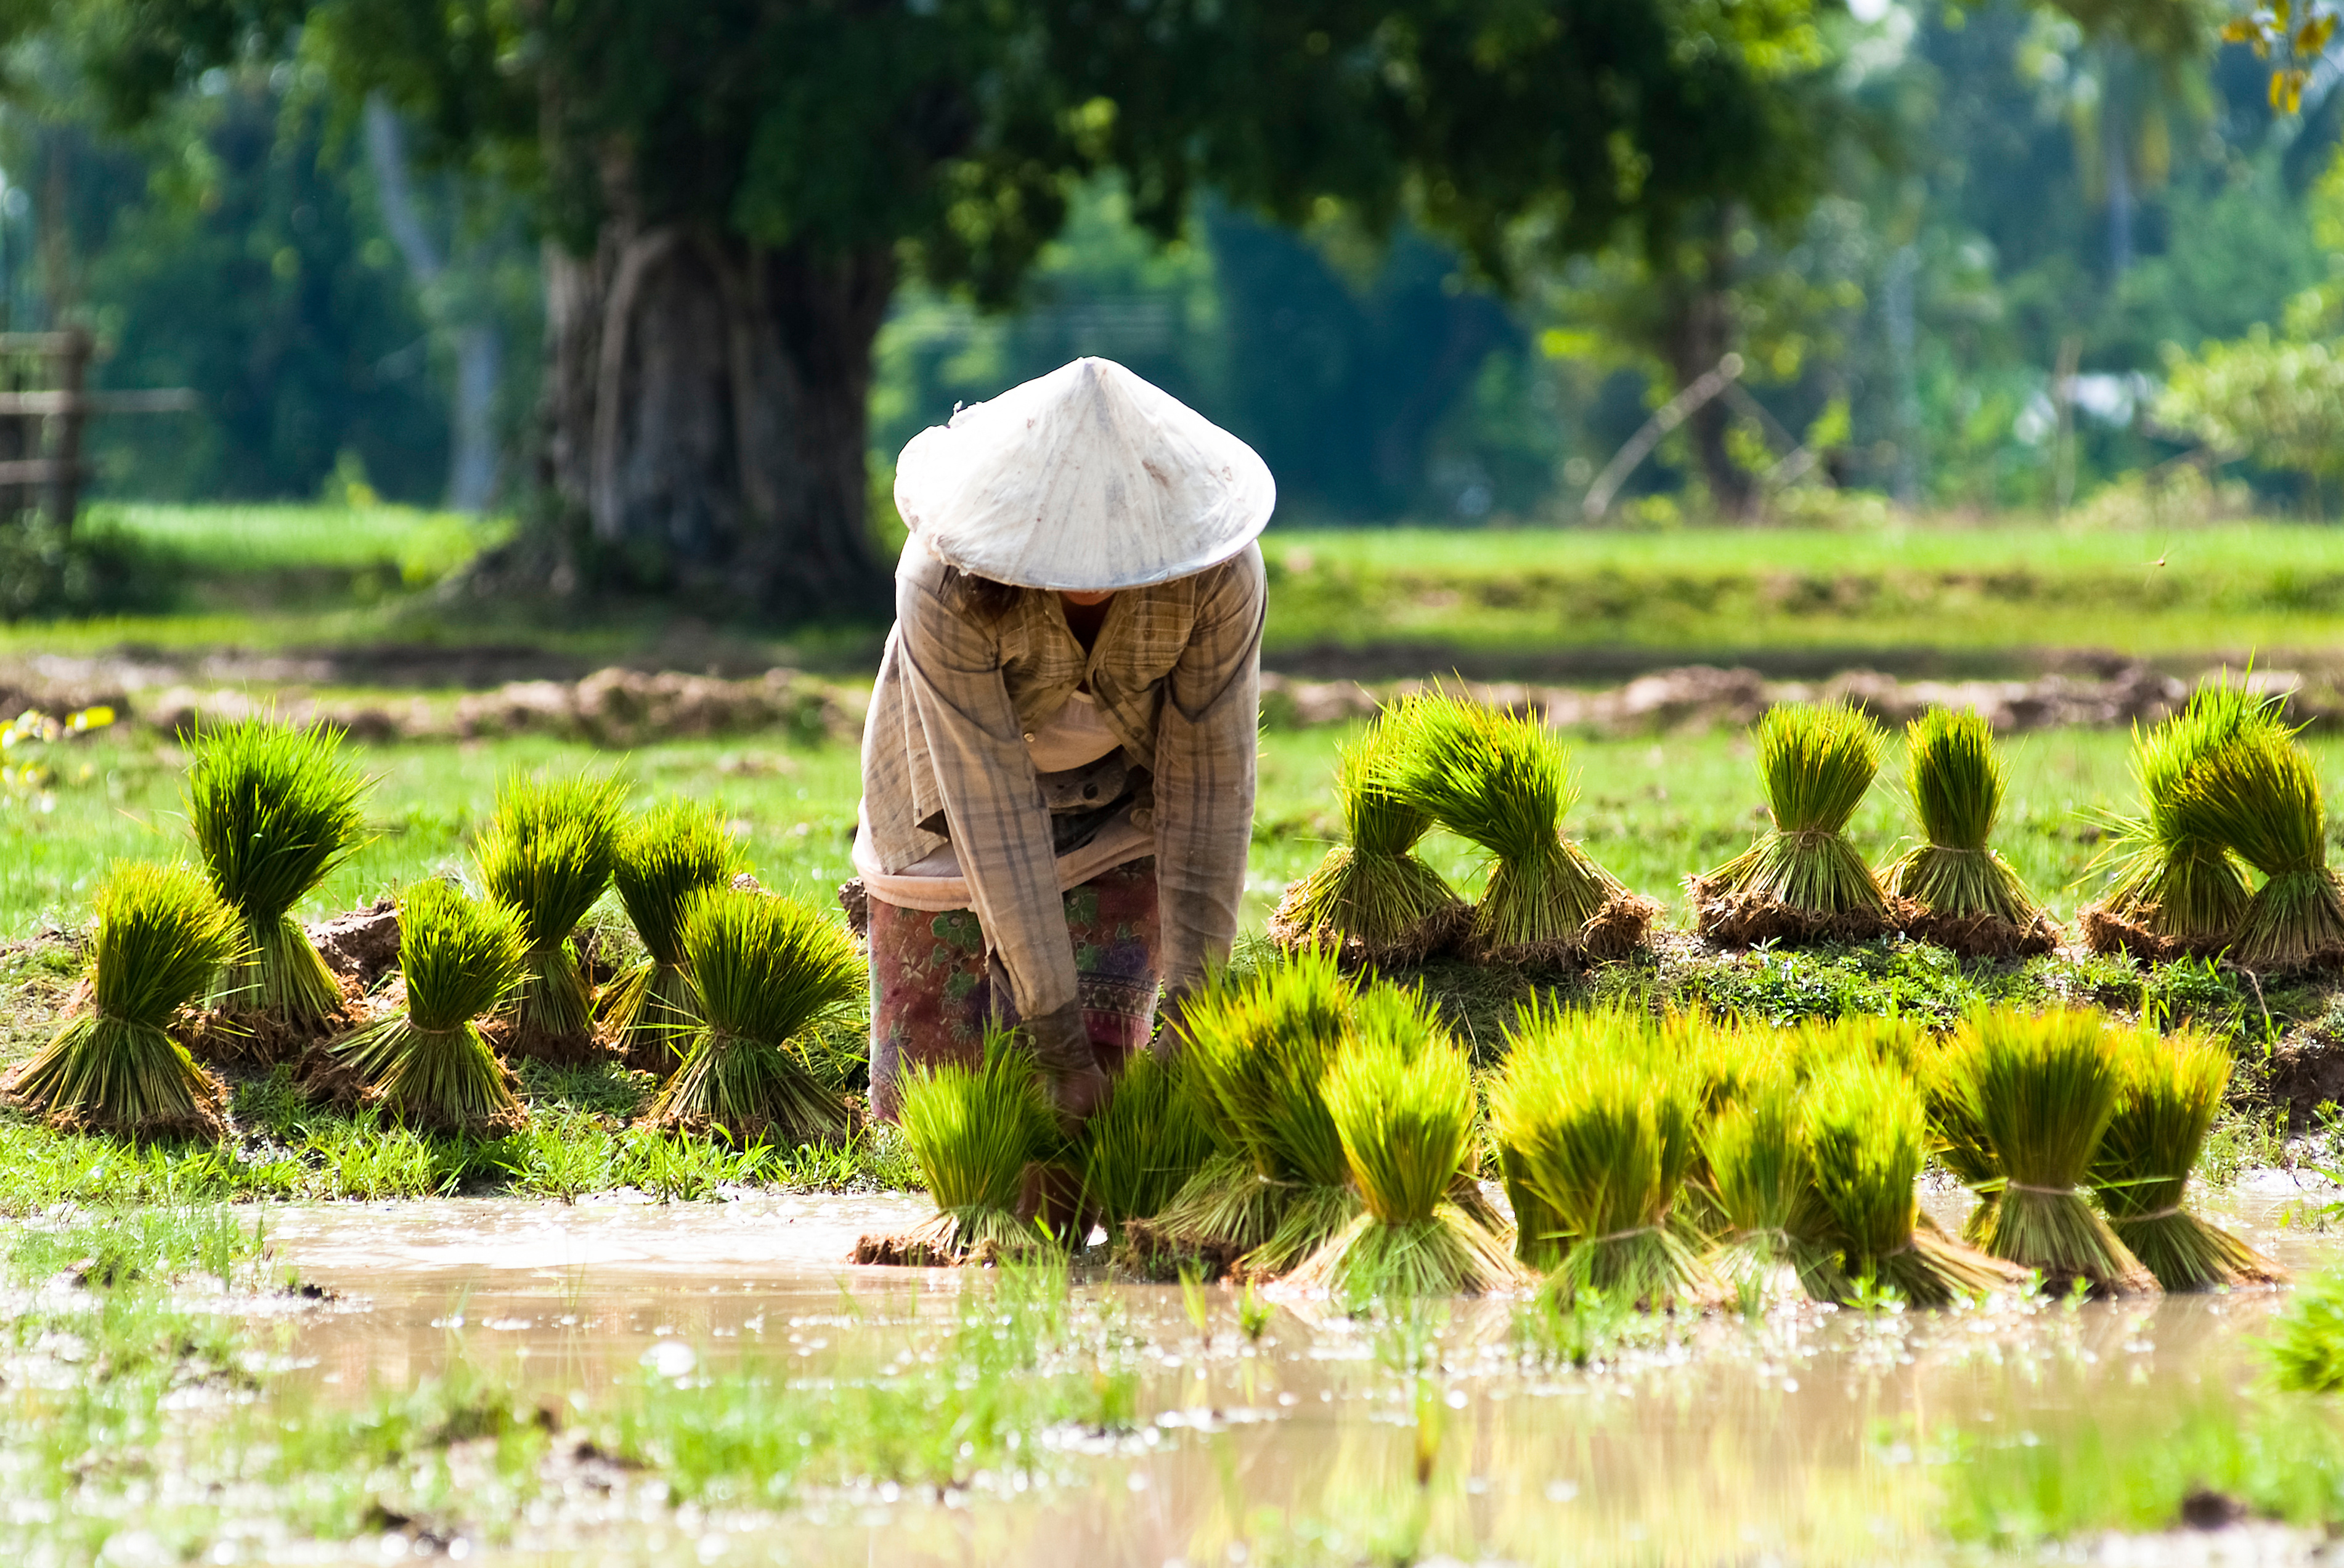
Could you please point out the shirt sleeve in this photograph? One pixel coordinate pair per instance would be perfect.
(991, 803)
(1207, 742)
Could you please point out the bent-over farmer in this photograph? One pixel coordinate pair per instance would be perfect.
(1058, 765)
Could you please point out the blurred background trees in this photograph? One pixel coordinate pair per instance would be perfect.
(1969, 257)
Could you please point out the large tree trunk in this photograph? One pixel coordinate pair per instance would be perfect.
(705, 419)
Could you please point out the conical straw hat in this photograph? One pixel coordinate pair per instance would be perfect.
(1087, 479)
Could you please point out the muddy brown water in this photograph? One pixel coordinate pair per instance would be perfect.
(1807, 1436)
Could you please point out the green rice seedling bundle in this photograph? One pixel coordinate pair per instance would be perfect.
(1504, 782)
(663, 858)
(275, 810)
(429, 1064)
(1760, 1178)
(1261, 1046)
(766, 969)
(1966, 897)
(1802, 879)
(1146, 1142)
(973, 1130)
(162, 936)
(1404, 1109)
(2258, 796)
(548, 853)
(2039, 1091)
(2174, 889)
(2170, 1091)
(1601, 1132)
(1372, 898)
(1866, 1132)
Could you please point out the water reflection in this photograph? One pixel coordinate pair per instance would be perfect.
(1800, 1436)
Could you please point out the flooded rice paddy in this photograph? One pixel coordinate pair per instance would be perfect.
(1796, 1435)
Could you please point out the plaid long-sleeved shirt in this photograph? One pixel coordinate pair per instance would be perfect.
(1176, 671)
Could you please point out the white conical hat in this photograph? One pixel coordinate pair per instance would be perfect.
(1088, 479)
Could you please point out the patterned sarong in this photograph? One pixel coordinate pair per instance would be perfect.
(933, 989)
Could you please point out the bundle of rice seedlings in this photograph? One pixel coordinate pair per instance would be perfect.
(1504, 782)
(1957, 1136)
(548, 854)
(766, 969)
(1144, 1143)
(1372, 899)
(1260, 1046)
(1801, 880)
(162, 936)
(1761, 1184)
(2169, 1091)
(1599, 1134)
(1865, 1131)
(1966, 897)
(973, 1130)
(2039, 1091)
(663, 857)
(1405, 1110)
(429, 1064)
(2260, 796)
(2173, 890)
(275, 810)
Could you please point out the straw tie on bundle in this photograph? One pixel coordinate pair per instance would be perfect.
(663, 858)
(1867, 1130)
(2173, 891)
(162, 935)
(1598, 1130)
(1504, 782)
(765, 970)
(428, 1064)
(1801, 880)
(548, 854)
(2170, 1091)
(2258, 796)
(1372, 899)
(973, 1130)
(275, 811)
(1965, 895)
(2038, 1093)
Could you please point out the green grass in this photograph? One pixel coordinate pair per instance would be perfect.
(2006, 586)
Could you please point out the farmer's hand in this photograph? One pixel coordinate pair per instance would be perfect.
(1070, 1069)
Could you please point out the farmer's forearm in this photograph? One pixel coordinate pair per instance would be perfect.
(1206, 747)
(1000, 827)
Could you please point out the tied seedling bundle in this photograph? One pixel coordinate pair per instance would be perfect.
(1504, 782)
(1762, 1188)
(973, 1130)
(2169, 1091)
(1801, 880)
(2259, 795)
(275, 810)
(1966, 895)
(663, 858)
(766, 970)
(429, 1064)
(2174, 889)
(1372, 899)
(162, 936)
(1866, 1130)
(1598, 1129)
(2036, 1093)
(1402, 1102)
(1261, 1046)
(1139, 1149)
(548, 854)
